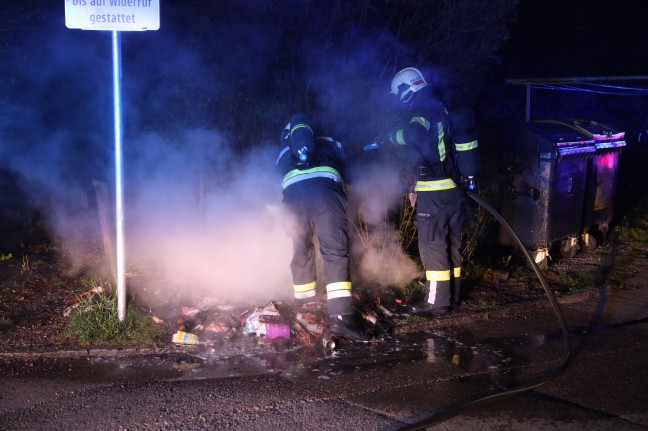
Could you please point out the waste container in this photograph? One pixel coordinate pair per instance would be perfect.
(602, 176)
(545, 172)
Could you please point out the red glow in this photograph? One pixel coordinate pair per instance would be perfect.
(606, 161)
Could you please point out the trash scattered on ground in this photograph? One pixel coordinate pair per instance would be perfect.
(277, 324)
(254, 322)
(272, 327)
(281, 325)
(182, 337)
(82, 298)
(77, 298)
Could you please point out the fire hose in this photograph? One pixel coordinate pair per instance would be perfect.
(533, 383)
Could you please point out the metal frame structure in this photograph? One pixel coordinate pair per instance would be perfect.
(589, 84)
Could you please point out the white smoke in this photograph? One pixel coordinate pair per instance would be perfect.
(376, 199)
(206, 221)
(199, 218)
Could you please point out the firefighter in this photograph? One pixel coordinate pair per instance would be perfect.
(314, 194)
(442, 151)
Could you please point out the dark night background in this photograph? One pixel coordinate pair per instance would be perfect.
(242, 67)
(209, 92)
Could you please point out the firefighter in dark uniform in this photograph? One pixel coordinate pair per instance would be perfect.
(314, 194)
(442, 150)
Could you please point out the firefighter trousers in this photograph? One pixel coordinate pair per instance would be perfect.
(319, 208)
(440, 220)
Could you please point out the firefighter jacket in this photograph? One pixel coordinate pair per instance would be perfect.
(438, 162)
(326, 162)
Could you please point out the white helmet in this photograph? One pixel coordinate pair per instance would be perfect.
(407, 82)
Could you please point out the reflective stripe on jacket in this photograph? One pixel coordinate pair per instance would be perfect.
(467, 146)
(297, 175)
(434, 186)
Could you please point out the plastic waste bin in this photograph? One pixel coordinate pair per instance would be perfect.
(545, 172)
(602, 178)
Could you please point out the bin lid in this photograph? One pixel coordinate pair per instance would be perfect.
(549, 136)
(604, 135)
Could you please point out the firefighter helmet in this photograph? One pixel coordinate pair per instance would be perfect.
(407, 82)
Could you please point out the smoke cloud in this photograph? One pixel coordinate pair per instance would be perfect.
(205, 220)
(376, 201)
(203, 213)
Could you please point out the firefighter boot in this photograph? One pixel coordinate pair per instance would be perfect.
(345, 326)
(427, 308)
(423, 306)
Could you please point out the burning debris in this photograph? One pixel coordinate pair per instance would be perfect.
(275, 324)
(281, 325)
(278, 324)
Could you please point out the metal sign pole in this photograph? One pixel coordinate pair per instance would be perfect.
(115, 16)
(119, 176)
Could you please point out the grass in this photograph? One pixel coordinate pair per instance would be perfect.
(582, 279)
(634, 226)
(485, 304)
(634, 230)
(95, 321)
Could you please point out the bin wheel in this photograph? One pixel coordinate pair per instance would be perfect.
(568, 247)
(541, 259)
(543, 264)
(588, 243)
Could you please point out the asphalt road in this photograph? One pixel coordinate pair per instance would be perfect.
(385, 386)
